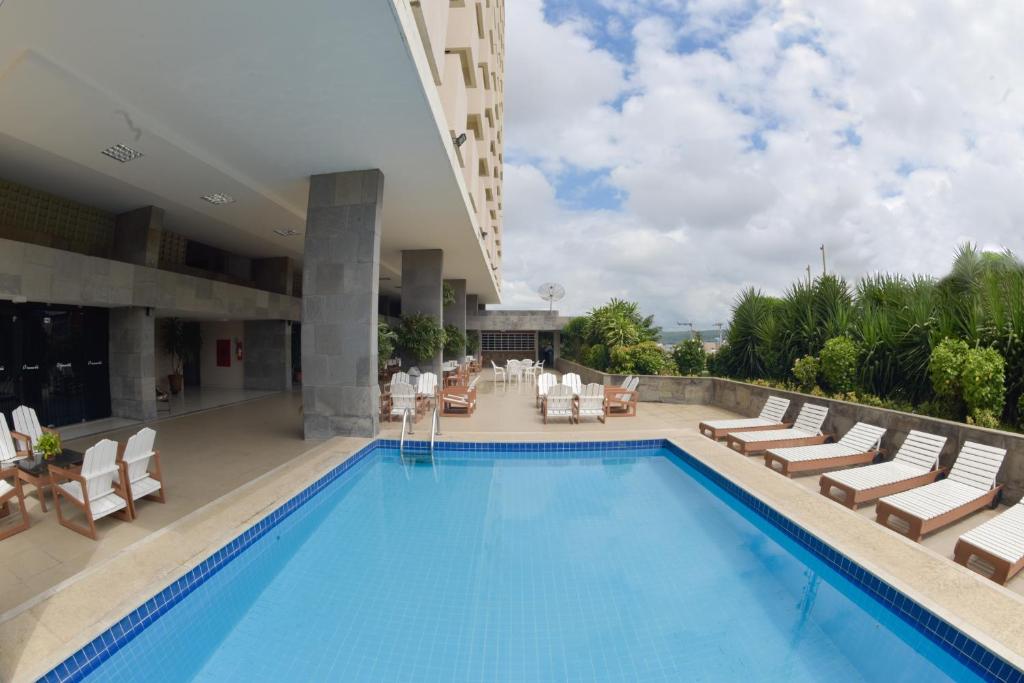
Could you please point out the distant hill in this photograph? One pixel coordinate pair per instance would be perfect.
(671, 337)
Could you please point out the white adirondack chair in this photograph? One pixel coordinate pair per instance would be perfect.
(558, 403)
(403, 397)
(13, 446)
(591, 402)
(426, 389)
(573, 381)
(93, 489)
(400, 378)
(544, 384)
(134, 473)
(27, 422)
(10, 491)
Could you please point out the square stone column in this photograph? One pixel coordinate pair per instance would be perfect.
(268, 355)
(137, 236)
(455, 314)
(132, 359)
(422, 293)
(339, 305)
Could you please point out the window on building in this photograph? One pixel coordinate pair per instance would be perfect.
(506, 341)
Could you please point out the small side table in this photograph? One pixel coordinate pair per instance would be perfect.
(39, 475)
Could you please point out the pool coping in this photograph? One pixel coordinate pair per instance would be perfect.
(986, 657)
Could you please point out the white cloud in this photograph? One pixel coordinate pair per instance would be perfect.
(736, 160)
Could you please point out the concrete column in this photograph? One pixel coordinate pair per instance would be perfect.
(132, 358)
(455, 313)
(339, 304)
(268, 355)
(421, 293)
(137, 236)
(556, 345)
(275, 274)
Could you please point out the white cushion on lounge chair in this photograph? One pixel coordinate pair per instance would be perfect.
(919, 454)
(861, 438)
(774, 435)
(1003, 536)
(934, 499)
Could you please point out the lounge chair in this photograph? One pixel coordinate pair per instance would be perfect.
(403, 398)
(558, 403)
(459, 401)
(806, 431)
(770, 418)
(622, 399)
(999, 542)
(92, 489)
(134, 470)
(970, 486)
(858, 446)
(13, 445)
(10, 490)
(591, 402)
(573, 381)
(27, 422)
(544, 383)
(915, 464)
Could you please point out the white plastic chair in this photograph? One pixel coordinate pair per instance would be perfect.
(499, 374)
(515, 372)
(134, 472)
(94, 490)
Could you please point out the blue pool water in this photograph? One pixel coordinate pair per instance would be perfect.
(613, 566)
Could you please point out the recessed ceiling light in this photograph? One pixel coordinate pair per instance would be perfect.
(219, 198)
(286, 232)
(122, 153)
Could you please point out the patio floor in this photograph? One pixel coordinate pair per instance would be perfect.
(227, 467)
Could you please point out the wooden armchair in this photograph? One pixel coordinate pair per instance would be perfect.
(459, 401)
(10, 490)
(93, 489)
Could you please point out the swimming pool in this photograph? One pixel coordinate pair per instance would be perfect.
(527, 563)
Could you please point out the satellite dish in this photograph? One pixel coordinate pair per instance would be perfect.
(551, 292)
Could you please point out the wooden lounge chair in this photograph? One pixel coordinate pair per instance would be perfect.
(858, 446)
(27, 422)
(92, 489)
(573, 381)
(403, 398)
(591, 402)
(10, 490)
(13, 445)
(558, 403)
(915, 465)
(770, 418)
(970, 486)
(133, 461)
(544, 383)
(806, 431)
(998, 542)
(459, 401)
(622, 399)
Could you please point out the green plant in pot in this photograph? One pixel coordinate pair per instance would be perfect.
(420, 337)
(454, 343)
(48, 445)
(387, 339)
(181, 342)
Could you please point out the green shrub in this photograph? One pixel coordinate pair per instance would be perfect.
(645, 358)
(595, 356)
(454, 341)
(983, 418)
(689, 356)
(447, 295)
(386, 341)
(983, 380)
(806, 371)
(472, 341)
(420, 337)
(839, 363)
(946, 365)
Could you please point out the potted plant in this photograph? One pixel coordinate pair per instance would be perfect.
(386, 341)
(47, 446)
(454, 343)
(420, 337)
(181, 341)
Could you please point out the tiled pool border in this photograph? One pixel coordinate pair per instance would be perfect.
(977, 657)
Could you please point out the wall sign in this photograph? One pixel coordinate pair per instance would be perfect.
(223, 353)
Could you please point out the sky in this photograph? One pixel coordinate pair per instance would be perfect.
(674, 152)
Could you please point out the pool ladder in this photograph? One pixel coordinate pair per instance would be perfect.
(407, 422)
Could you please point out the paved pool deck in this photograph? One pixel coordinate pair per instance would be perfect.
(230, 467)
